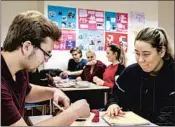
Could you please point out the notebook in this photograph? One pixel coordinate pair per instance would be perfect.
(129, 119)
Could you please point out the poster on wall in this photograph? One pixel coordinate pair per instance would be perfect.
(91, 39)
(90, 19)
(67, 41)
(64, 17)
(137, 18)
(122, 22)
(116, 38)
(110, 21)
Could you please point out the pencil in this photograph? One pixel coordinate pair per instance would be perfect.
(60, 108)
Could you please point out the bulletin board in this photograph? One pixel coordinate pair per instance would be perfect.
(88, 28)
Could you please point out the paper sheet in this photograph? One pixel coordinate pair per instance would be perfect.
(130, 118)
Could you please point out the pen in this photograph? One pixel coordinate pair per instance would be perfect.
(60, 108)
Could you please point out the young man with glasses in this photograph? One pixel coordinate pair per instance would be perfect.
(46, 55)
(28, 44)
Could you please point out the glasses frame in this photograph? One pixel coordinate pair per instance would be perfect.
(47, 56)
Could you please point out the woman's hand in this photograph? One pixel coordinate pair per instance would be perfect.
(114, 110)
(98, 81)
(92, 62)
(78, 79)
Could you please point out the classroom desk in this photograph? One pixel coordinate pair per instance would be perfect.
(92, 87)
(36, 119)
(93, 94)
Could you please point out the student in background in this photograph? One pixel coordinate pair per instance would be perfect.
(147, 87)
(93, 68)
(116, 57)
(75, 65)
(28, 43)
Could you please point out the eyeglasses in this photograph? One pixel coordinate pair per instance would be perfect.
(46, 55)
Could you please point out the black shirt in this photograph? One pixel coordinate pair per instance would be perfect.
(147, 96)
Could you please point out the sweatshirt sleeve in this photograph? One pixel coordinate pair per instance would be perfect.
(100, 69)
(118, 72)
(119, 95)
(109, 84)
(120, 69)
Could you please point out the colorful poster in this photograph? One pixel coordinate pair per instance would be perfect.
(90, 19)
(67, 41)
(110, 21)
(116, 38)
(91, 39)
(64, 17)
(122, 22)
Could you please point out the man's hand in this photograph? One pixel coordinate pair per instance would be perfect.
(81, 108)
(59, 96)
(65, 73)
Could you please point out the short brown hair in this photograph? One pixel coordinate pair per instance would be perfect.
(77, 49)
(30, 26)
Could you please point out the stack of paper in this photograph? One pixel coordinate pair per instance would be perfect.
(82, 84)
(66, 84)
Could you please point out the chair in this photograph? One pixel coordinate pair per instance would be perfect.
(32, 106)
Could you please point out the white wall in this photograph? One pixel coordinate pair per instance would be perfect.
(150, 8)
(9, 9)
(166, 17)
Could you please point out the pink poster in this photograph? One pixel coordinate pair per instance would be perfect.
(90, 19)
(67, 41)
(122, 22)
(116, 38)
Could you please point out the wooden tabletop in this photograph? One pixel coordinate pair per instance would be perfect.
(37, 119)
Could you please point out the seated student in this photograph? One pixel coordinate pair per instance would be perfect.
(93, 68)
(28, 43)
(114, 55)
(75, 65)
(147, 87)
